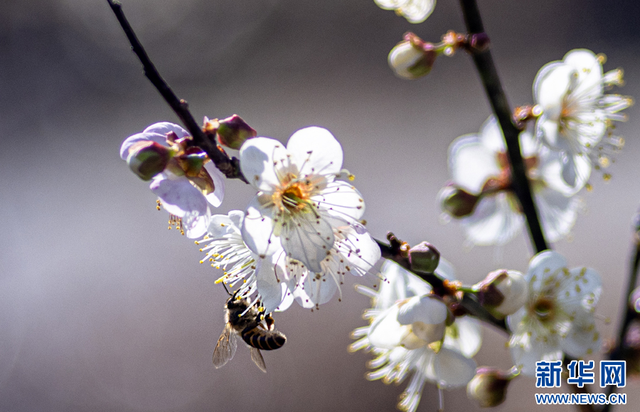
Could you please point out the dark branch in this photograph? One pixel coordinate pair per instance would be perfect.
(500, 105)
(230, 167)
(469, 301)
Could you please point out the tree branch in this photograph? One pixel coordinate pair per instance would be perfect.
(500, 106)
(229, 167)
(469, 301)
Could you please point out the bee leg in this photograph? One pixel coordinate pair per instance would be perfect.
(271, 323)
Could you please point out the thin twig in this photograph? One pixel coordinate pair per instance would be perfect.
(469, 302)
(500, 105)
(230, 167)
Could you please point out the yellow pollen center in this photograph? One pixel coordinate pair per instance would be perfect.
(543, 309)
(295, 197)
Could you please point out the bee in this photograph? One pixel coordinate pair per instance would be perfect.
(250, 326)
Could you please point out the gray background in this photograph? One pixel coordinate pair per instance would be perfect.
(103, 309)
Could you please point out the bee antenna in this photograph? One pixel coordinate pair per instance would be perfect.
(226, 290)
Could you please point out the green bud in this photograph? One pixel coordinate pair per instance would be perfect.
(457, 202)
(147, 158)
(489, 386)
(424, 257)
(412, 58)
(233, 131)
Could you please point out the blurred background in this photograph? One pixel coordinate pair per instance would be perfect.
(103, 309)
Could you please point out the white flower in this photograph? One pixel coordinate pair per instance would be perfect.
(187, 187)
(576, 113)
(352, 252)
(243, 268)
(558, 316)
(479, 166)
(405, 321)
(299, 204)
(415, 11)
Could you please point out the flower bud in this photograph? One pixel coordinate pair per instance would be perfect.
(489, 386)
(424, 257)
(502, 292)
(457, 202)
(148, 158)
(412, 58)
(232, 131)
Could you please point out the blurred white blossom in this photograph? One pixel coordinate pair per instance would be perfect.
(189, 184)
(409, 334)
(415, 11)
(577, 116)
(558, 317)
(481, 195)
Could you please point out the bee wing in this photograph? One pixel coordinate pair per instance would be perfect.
(225, 348)
(257, 358)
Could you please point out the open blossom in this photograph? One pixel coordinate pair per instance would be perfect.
(299, 204)
(481, 195)
(243, 269)
(411, 332)
(276, 280)
(558, 317)
(577, 115)
(415, 11)
(187, 186)
(352, 252)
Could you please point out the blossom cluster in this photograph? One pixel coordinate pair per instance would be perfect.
(573, 135)
(301, 233)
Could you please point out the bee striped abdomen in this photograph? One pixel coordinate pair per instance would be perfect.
(265, 340)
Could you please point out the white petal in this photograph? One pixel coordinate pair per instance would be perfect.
(318, 290)
(178, 196)
(581, 292)
(398, 284)
(257, 227)
(195, 224)
(583, 338)
(426, 309)
(445, 269)
(557, 212)
(471, 163)
(260, 158)
(316, 151)
(566, 173)
(530, 352)
(360, 250)
(215, 198)
(156, 132)
(417, 11)
(272, 292)
(452, 369)
(542, 265)
(385, 332)
(550, 87)
(494, 220)
(464, 336)
(221, 225)
(589, 72)
(307, 239)
(491, 135)
(342, 201)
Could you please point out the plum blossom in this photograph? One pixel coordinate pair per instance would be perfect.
(480, 195)
(415, 11)
(243, 269)
(299, 205)
(412, 331)
(276, 280)
(577, 116)
(558, 317)
(189, 185)
(352, 252)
